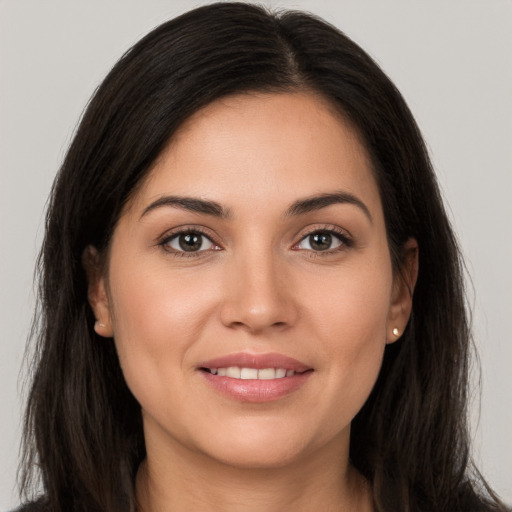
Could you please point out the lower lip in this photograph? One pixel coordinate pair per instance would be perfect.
(255, 390)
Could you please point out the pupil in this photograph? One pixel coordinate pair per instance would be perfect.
(190, 242)
(320, 241)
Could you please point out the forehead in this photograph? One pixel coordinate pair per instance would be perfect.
(259, 150)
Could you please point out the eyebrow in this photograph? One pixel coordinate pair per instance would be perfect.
(190, 204)
(299, 207)
(310, 204)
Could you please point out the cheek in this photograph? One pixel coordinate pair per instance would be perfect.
(349, 314)
(156, 319)
(352, 304)
(154, 307)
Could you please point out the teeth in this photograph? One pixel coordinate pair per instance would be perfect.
(235, 372)
(266, 374)
(248, 373)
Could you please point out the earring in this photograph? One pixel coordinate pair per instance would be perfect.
(98, 325)
(396, 332)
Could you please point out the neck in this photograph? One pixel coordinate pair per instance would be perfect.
(178, 479)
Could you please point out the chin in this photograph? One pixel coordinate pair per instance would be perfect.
(263, 446)
(253, 457)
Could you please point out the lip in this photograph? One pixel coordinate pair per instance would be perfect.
(255, 390)
(258, 361)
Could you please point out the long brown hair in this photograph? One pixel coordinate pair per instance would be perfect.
(83, 431)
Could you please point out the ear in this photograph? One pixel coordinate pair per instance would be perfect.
(97, 291)
(403, 288)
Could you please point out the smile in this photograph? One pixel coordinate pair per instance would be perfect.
(256, 378)
(235, 372)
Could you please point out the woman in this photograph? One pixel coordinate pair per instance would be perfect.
(251, 296)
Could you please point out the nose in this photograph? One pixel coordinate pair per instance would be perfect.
(258, 295)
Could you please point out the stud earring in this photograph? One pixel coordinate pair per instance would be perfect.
(98, 325)
(396, 332)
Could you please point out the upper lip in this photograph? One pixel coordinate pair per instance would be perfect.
(258, 361)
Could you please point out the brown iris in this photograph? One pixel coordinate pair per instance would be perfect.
(320, 241)
(190, 241)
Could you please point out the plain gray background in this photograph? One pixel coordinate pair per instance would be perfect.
(452, 60)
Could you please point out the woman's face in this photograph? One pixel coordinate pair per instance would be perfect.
(250, 290)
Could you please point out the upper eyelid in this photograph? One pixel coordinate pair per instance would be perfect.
(188, 228)
(174, 232)
(343, 237)
(164, 242)
(327, 228)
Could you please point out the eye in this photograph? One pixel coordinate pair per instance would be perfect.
(322, 241)
(189, 241)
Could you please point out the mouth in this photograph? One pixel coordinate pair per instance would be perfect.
(255, 377)
(245, 373)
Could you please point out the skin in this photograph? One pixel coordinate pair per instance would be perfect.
(258, 287)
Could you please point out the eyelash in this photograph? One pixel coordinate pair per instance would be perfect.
(343, 237)
(346, 241)
(184, 254)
